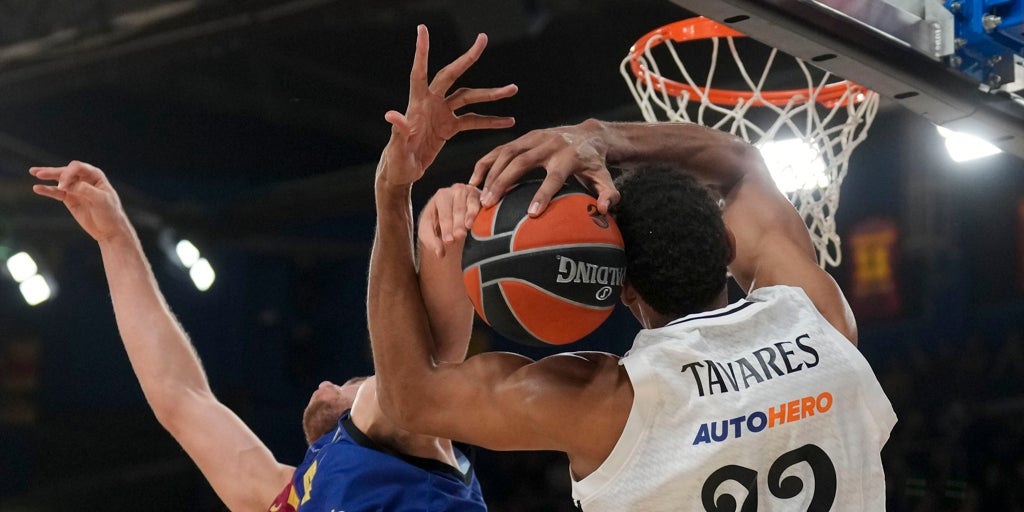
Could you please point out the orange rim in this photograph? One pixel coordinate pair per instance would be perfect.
(698, 28)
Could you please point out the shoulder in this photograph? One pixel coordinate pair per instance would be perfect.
(820, 293)
(582, 388)
(603, 407)
(583, 370)
(787, 266)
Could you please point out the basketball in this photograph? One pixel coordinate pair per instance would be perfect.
(549, 280)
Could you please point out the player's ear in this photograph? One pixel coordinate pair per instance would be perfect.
(629, 294)
(730, 241)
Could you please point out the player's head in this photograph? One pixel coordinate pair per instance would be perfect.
(677, 246)
(327, 404)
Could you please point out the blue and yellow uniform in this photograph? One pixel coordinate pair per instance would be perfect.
(346, 471)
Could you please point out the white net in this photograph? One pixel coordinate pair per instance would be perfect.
(806, 133)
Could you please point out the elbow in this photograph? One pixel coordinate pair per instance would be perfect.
(732, 161)
(175, 411)
(390, 402)
(407, 406)
(747, 158)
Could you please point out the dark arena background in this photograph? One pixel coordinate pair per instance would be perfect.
(253, 130)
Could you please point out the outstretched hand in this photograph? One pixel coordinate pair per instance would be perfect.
(564, 151)
(88, 195)
(430, 119)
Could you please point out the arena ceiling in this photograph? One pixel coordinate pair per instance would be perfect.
(244, 119)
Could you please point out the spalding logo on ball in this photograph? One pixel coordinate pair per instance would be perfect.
(548, 280)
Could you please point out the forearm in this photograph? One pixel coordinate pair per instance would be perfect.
(239, 467)
(448, 307)
(718, 159)
(157, 347)
(397, 321)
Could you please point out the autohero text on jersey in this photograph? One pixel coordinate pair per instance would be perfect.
(763, 364)
(785, 412)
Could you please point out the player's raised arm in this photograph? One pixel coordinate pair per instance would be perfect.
(237, 464)
(772, 245)
(504, 401)
(398, 325)
(440, 269)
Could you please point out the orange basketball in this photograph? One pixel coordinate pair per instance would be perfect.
(550, 280)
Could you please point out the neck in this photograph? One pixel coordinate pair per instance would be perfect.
(651, 319)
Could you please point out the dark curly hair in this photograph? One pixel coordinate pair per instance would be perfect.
(677, 248)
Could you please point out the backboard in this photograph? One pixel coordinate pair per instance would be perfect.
(959, 64)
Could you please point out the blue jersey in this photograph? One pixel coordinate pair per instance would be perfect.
(346, 471)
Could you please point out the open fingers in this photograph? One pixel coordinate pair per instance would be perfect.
(395, 117)
(77, 192)
(482, 122)
(49, 191)
(418, 75)
(398, 121)
(446, 77)
(72, 173)
(68, 174)
(46, 173)
(470, 96)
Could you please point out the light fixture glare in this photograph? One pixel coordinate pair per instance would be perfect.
(202, 274)
(35, 290)
(187, 252)
(963, 147)
(22, 266)
(795, 165)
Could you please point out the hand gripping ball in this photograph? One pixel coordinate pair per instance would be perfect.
(548, 280)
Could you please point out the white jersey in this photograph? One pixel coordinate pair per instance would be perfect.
(761, 404)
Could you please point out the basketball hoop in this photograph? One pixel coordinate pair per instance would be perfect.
(826, 116)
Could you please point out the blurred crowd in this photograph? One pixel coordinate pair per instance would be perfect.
(959, 443)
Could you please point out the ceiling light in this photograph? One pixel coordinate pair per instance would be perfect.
(202, 274)
(35, 290)
(187, 252)
(795, 165)
(963, 147)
